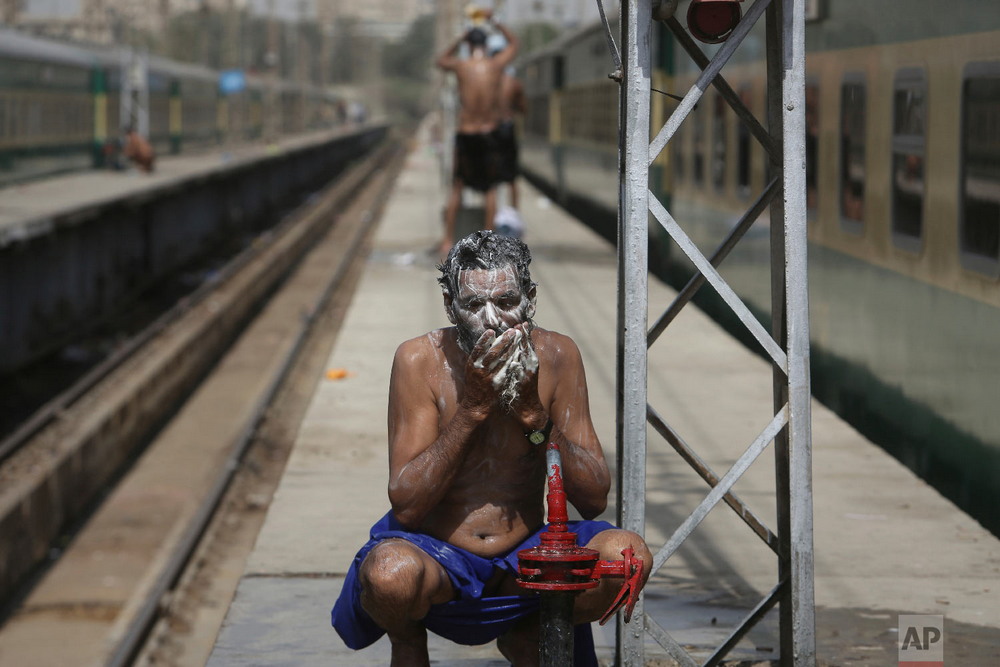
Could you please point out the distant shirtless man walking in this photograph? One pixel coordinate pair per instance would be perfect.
(466, 482)
(476, 160)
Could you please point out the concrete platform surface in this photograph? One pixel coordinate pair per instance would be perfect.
(885, 542)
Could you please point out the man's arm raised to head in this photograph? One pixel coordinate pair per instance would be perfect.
(506, 55)
(423, 459)
(449, 59)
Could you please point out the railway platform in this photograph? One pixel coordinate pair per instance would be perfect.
(35, 208)
(886, 543)
(79, 247)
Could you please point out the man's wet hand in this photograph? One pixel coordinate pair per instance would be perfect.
(480, 394)
(528, 406)
(497, 350)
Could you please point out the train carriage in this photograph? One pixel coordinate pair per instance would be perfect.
(47, 113)
(903, 195)
(186, 100)
(61, 106)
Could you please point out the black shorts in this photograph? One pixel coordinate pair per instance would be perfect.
(477, 160)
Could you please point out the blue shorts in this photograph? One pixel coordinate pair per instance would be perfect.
(471, 619)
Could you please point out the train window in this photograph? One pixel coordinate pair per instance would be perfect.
(812, 146)
(698, 149)
(719, 138)
(743, 147)
(852, 151)
(979, 230)
(909, 128)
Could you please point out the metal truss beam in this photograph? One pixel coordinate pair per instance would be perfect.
(786, 344)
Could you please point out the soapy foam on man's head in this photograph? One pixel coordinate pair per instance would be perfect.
(501, 259)
(485, 250)
(487, 279)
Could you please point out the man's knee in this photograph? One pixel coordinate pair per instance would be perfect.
(592, 604)
(611, 543)
(392, 568)
(397, 576)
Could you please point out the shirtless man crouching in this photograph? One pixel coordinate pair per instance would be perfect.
(476, 159)
(465, 484)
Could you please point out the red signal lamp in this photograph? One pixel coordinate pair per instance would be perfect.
(712, 21)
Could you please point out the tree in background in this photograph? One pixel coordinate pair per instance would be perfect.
(406, 67)
(536, 35)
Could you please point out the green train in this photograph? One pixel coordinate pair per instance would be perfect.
(60, 106)
(903, 190)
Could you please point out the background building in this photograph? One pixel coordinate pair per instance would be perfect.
(562, 14)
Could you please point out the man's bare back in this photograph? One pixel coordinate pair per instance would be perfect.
(479, 94)
(479, 78)
(476, 158)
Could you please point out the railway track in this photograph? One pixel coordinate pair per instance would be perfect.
(141, 454)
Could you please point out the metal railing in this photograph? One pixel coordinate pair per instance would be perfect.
(786, 345)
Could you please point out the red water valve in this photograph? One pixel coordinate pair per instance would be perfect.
(630, 568)
(558, 564)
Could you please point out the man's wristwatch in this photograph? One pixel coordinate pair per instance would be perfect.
(539, 436)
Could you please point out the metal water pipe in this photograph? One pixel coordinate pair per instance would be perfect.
(559, 569)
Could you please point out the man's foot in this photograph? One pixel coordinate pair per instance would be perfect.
(410, 654)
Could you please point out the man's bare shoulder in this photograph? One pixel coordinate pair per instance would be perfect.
(432, 350)
(426, 348)
(554, 346)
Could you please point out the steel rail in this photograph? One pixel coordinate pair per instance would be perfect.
(708, 74)
(138, 626)
(750, 455)
(712, 479)
(720, 83)
(747, 624)
(633, 280)
(669, 644)
(689, 248)
(612, 47)
(720, 254)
